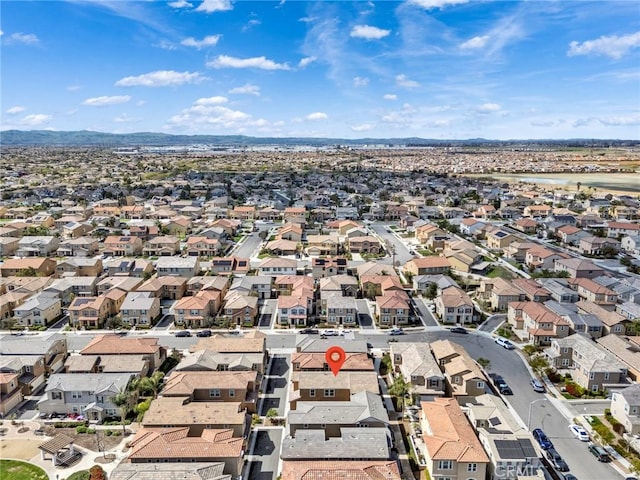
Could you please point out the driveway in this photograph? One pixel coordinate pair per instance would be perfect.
(277, 385)
(364, 315)
(491, 323)
(426, 317)
(266, 453)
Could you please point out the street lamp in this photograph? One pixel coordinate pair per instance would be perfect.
(531, 405)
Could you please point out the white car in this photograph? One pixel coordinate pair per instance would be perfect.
(330, 333)
(579, 432)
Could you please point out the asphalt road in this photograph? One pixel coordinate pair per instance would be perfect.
(491, 323)
(425, 315)
(402, 252)
(266, 454)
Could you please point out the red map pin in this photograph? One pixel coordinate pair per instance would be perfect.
(335, 358)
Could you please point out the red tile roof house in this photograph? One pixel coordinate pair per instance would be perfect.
(117, 345)
(392, 308)
(534, 322)
(340, 470)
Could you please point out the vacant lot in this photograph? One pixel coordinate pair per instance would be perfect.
(22, 449)
(88, 440)
(15, 470)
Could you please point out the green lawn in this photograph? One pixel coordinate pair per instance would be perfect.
(500, 272)
(17, 470)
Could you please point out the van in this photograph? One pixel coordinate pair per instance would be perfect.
(599, 452)
(503, 342)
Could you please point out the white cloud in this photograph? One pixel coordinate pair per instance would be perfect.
(167, 45)
(15, 110)
(390, 96)
(247, 89)
(362, 128)
(475, 42)
(610, 46)
(73, 88)
(22, 38)
(306, 61)
(160, 78)
(488, 108)
(317, 116)
(140, 103)
(124, 118)
(104, 101)
(404, 82)
(180, 4)
(218, 100)
(250, 24)
(307, 19)
(620, 121)
(360, 81)
(430, 4)
(439, 123)
(210, 6)
(263, 63)
(208, 41)
(34, 119)
(368, 32)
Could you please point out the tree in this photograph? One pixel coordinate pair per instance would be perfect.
(151, 384)
(399, 389)
(538, 364)
(121, 400)
(272, 413)
(432, 291)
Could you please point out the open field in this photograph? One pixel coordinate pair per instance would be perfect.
(15, 470)
(602, 182)
(15, 448)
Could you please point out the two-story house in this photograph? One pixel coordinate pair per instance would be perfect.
(327, 387)
(140, 309)
(453, 305)
(418, 367)
(534, 322)
(625, 408)
(464, 378)
(392, 308)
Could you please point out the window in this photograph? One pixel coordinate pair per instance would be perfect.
(214, 393)
(472, 467)
(592, 375)
(606, 376)
(480, 385)
(312, 392)
(565, 362)
(329, 392)
(434, 382)
(445, 465)
(232, 392)
(594, 388)
(56, 395)
(76, 394)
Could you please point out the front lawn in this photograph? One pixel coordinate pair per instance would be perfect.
(501, 272)
(17, 470)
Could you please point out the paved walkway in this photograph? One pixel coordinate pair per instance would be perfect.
(88, 459)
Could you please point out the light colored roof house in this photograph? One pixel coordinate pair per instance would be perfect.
(578, 268)
(373, 285)
(78, 247)
(353, 444)
(427, 231)
(345, 284)
(518, 250)
(451, 444)
(625, 407)
(453, 305)
(276, 266)
(38, 310)
(526, 225)
(216, 282)
(558, 290)
(8, 246)
(178, 444)
(337, 309)
(287, 284)
(325, 386)
(594, 292)
(240, 308)
(163, 245)
(498, 239)
(499, 293)
(537, 211)
(199, 310)
(169, 412)
(536, 323)
(30, 369)
(10, 392)
(203, 246)
(415, 362)
(117, 345)
(122, 246)
(291, 232)
(136, 364)
(79, 267)
(592, 367)
(178, 266)
(35, 266)
(347, 469)
(53, 347)
(125, 284)
(165, 287)
(250, 342)
(615, 229)
(323, 244)
(140, 309)
(626, 350)
(543, 258)
(230, 266)
(629, 310)
(295, 309)
(363, 409)
(215, 386)
(532, 290)
(208, 360)
(37, 246)
(316, 362)
(90, 312)
(282, 247)
(510, 449)
(374, 268)
(428, 265)
(597, 246)
(392, 308)
(364, 244)
(170, 471)
(613, 322)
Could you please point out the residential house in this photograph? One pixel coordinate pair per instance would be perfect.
(140, 309)
(165, 287)
(518, 250)
(129, 267)
(88, 394)
(418, 367)
(240, 309)
(327, 267)
(122, 246)
(124, 346)
(498, 293)
(203, 247)
(317, 362)
(91, 312)
(621, 229)
(337, 309)
(38, 266)
(631, 244)
(198, 311)
(124, 284)
(359, 444)
(538, 211)
(178, 266)
(8, 246)
(52, 348)
(591, 367)
(79, 267)
(463, 375)
(252, 342)
(570, 235)
(558, 290)
(161, 246)
(346, 285)
(364, 244)
(578, 268)
(205, 360)
(276, 266)
(392, 308)
(452, 448)
(364, 410)
(30, 369)
(215, 386)
(612, 321)
(625, 408)
(136, 364)
(427, 266)
(78, 247)
(598, 246)
(291, 231)
(218, 447)
(542, 258)
(295, 309)
(363, 470)
(327, 387)
(532, 290)
(422, 283)
(626, 350)
(183, 471)
(282, 247)
(536, 323)
(230, 266)
(526, 225)
(326, 245)
(629, 310)
(594, 292)
(454, 306)
(497, 239)
(38, 310)
(260, 286)
(427, 231)
(37, 246)
(10, 393)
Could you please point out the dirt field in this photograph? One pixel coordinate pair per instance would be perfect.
(19, 449)
(86, 440)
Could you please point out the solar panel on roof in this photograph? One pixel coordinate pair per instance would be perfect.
(494, 421)
(527, 448)
(509, 449)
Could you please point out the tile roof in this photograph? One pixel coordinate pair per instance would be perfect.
(316, 361)
(117, 345)
(174, 411)
(185, 383)
(340, 470)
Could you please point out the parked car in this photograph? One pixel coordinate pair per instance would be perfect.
(396, 331)
(330, 333)
(501, 384)
(203, 333)
(183, 333)
(458, 330)
(310, 331)
(569, 476)
(579, 432)
(599, 452)
(556, 460)
(503, 342)
(537, 385)
(344, 331)
(542, 439)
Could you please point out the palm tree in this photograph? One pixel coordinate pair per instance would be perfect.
(152, 384)
(399, 389)
(121, 400)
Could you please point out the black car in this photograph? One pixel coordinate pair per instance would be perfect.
(501, 385)
(183, 333)
(458, 330)
(556, 460)
(203, 333)
(310, 331)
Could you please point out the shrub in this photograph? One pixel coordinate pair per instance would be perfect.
(108, 433)
(116, 433)
(91, 430)
(574, 389)
(81, 429)
(97, 473)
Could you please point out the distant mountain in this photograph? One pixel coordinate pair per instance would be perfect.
(108, 140)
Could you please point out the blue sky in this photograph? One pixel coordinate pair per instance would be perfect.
(445, 69)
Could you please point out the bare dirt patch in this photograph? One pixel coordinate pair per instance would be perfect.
(19, 449)
(88, 440)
